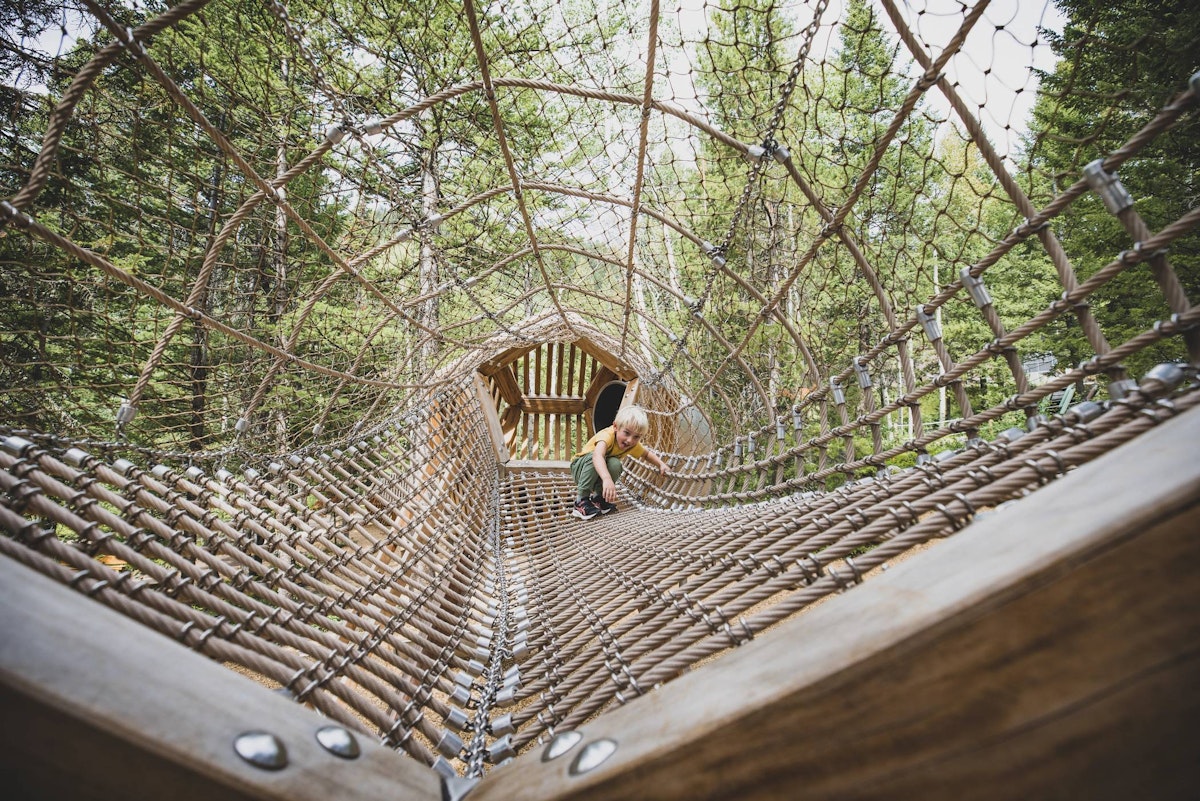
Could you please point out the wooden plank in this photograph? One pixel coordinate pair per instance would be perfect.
(544, 404)
(491, 418)
(97, 706)
(506, 382)
(571, 360)
(1049, 650)
(559, 348)
(539, 373)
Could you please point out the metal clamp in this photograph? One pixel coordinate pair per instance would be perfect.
(975, 288)
(1108, 186)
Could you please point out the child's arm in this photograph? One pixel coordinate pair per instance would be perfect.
(654, 459)
(600, 462)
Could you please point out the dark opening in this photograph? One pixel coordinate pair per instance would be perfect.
(607, 404)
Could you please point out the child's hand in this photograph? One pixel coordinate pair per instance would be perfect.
(663, 470)
(609, 492)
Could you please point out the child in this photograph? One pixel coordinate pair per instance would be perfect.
(597, 467)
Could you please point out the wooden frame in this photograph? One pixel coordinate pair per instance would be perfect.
(97, 706)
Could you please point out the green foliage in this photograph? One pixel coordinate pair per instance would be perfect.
(1119, 64)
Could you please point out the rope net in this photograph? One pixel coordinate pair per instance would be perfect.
(303, 304)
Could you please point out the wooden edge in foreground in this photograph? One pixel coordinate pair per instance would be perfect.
(1049, 650)
(97, 706)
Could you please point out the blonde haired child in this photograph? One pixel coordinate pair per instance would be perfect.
(597, 467)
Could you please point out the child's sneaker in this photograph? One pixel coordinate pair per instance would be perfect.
(603, 506)
(584, 510)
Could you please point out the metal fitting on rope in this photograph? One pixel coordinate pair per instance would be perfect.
(457, 718)
(756, 151)
(929, 322)
(125, 414)
(1118, 390)
(1161, 379)
(502, 725)
(132, 44)
(500, 750)
(241, 425)
(450, 744)
(975, 288)
(76, 457)
(835, 388)
(1108, 186)
(780, 153)
(16, 446)
(1194, 85)
(1010, 435)
(862, 371)
(373, 126)
(334, 134)
(928, 80)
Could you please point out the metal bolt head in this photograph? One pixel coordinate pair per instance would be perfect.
(593, 755)
(561, 744)
(262, 750)
(338, 742)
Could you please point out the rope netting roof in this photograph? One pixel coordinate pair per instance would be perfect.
(276, 273)
(257, 221)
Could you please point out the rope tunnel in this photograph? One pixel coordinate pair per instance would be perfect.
(307, 306)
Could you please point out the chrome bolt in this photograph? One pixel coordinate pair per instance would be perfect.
(593, 755)
(561, 744)
(338, 742)
(262, 750)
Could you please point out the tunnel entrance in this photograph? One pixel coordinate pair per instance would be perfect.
(607, 404)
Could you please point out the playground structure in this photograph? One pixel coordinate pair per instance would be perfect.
(301, 410)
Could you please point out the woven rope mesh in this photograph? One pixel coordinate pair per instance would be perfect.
(304, 305)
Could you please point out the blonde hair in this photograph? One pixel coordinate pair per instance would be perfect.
(632, 418)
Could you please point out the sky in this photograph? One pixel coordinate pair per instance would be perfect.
(991, 71)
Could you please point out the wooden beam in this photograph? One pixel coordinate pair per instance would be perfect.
(97, 706)
(545, 404)
(502, 360)
(1049, 650)
(510, 390)
(619, 368)
(599, 382)
(491, 417)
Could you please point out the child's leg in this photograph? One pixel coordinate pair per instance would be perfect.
(584, 473)
(614, 469)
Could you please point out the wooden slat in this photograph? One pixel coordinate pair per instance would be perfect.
(550, 405)
(1049, 650)
(97, 706)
